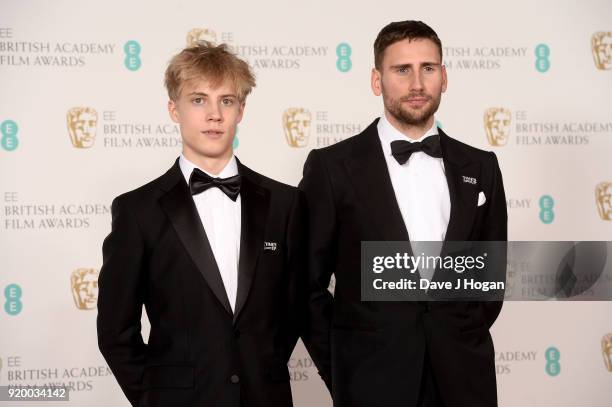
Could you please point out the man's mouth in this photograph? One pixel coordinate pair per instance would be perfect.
(212, 133)
(416, 101)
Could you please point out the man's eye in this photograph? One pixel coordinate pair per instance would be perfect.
(429, 69)
(402, 70)
(198, 101)
(228, 102)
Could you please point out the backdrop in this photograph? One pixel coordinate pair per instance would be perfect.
(83, 118)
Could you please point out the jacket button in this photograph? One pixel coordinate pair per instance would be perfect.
(236, 334)
(235, 379)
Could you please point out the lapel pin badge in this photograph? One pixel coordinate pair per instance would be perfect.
(270, 246)
(469, 180)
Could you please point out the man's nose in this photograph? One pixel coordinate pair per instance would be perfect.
(417, 81)
(214, 113)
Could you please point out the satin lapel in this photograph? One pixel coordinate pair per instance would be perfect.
(255, 201)
(460, 174)
(178, 205)
(369, 174)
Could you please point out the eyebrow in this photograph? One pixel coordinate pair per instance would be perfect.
(205, 94)
(399, 66)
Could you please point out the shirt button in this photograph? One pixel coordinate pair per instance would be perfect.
(235, 379)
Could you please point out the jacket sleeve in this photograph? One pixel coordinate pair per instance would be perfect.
(495, 228)
(317, 189)
(120, 300)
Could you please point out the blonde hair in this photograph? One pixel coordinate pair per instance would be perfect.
(215, 63)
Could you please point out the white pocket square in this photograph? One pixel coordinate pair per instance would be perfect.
(481, 198)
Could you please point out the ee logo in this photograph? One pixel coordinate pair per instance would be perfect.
(553, 368)
(546, 209)
(9, 140)
(236, 142)
(343, 52)
(132, 55)
(13, 304)
(542, 53)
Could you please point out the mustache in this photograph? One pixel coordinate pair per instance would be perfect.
(413, 96)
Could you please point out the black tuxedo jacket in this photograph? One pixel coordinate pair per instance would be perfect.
(199, 352)
(373, 353)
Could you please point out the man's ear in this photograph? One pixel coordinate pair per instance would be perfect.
(375, 82)
(173, 111)
(444, 79)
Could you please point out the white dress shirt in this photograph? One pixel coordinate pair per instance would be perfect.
(420, 186)
(221, 219)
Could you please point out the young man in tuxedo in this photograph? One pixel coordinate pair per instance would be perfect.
(213, 251)
(401, 179)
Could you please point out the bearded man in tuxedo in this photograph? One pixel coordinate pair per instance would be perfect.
(401, 179)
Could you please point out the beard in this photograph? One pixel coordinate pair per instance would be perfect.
(411, 117)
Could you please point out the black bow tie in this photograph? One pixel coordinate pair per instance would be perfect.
(402, 149)
(199, 181)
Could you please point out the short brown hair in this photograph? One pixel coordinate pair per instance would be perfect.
(215, 63)
(402, 30)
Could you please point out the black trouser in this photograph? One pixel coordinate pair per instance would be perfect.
(429, 394)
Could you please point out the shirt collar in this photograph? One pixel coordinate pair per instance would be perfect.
(387, 133)
(187, 167)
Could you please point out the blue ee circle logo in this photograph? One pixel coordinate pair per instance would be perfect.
(542, 53)
(132, 55)
(236, 142)
(9, 140)
(547, 215)
(13, 304)
(553, 368)
(343, 52)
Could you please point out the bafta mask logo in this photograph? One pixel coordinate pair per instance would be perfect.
(601, 47)
(296, 122)
(497, 125)
(84, 284)
(606, 350)
(603, 198)
(82, 122)
(200, 35)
